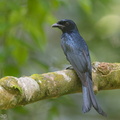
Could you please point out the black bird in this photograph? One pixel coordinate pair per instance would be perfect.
(77, 53)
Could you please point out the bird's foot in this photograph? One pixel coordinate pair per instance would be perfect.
(70, 68)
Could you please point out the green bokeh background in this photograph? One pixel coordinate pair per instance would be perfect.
(29, 45)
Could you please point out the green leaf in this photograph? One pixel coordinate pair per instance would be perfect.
(11, 70)
(86, 5)
(20, 54)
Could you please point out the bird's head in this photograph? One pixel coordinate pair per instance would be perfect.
(65, 25)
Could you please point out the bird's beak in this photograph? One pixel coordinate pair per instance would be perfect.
(57, 25)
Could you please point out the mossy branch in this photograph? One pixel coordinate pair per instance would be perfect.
(24, 90)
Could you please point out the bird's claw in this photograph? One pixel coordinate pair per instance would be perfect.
(70, 68)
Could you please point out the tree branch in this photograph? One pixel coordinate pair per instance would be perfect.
(24, 90)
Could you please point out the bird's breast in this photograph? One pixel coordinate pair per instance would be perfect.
(67, 44)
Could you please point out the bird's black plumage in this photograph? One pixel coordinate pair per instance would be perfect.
(77, 53)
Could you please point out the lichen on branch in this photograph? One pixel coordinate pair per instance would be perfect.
(24, 90)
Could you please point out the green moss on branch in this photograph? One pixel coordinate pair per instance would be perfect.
(24, 90)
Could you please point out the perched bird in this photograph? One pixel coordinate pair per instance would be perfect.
(77, 53)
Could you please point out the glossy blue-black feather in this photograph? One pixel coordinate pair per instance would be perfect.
(77, 54)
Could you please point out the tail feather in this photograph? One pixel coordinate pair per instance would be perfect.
(94, 100)
(86, 100)
(89, 99)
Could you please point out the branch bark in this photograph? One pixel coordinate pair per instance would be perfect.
(24, 90)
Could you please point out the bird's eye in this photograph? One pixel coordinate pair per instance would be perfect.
(66, 23)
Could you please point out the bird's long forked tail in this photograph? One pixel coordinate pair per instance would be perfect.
(89, 99)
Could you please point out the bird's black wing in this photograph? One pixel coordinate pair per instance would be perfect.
(79, 63)
(79, 59)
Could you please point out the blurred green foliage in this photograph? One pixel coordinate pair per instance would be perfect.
(22, 32)
(29, 45)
